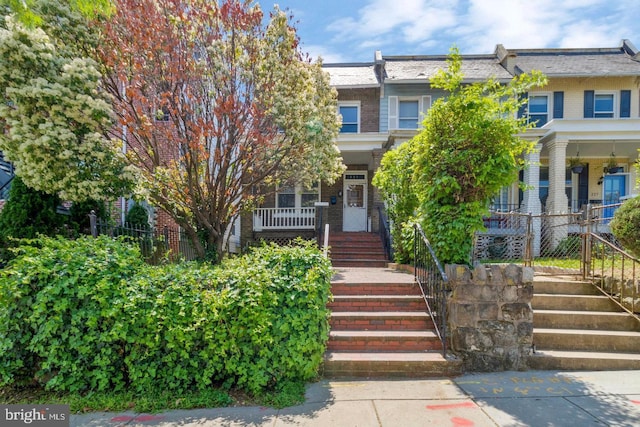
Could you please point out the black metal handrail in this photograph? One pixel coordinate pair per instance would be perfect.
(613, 271)
(384, 229)
(433, 283)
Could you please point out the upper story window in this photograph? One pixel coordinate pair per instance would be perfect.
(538, 109)
(407, 112)
(607, 104)
(350, 113)
(603, 105)
(298, 196)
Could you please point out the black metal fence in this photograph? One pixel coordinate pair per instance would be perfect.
(433, 282)
(607, 264)
(157, 245)
(526, 238)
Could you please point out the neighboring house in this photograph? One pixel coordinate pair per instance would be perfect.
(590, 110)
(350, 202)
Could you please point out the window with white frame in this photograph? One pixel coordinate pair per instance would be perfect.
(350, 113)
(603, 105)
(538, 111)
(407, 112)
(297, 196)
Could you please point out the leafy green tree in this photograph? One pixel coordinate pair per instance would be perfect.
(56, 117)
(137, 217)
(29, 212)
(394, 178)
(468, 150)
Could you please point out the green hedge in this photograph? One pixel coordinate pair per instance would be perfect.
(89, 315)
(625, 225)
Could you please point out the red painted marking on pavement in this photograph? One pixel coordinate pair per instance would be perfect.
(637, 402)
(461, 422)
(452, 406)
(121, 418)
(144, 418)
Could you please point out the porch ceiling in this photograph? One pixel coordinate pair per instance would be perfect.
(594, 137)
(358, 158)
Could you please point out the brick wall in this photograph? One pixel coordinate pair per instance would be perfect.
(369, 106)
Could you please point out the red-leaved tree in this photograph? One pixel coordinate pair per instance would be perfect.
(216, 108)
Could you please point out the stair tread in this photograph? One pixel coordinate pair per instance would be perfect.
(422, 356)
(583, 312)
(375, 297)
(586, 332)
(571, 296)
(379, 334)
(385, 314)
(587, 355)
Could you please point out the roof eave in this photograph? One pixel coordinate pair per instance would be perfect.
(367, 86)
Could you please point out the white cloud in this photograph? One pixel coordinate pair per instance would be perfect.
(476, 26)
(413, 20)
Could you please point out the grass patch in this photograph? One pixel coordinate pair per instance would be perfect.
(287, 394)
(557, 262)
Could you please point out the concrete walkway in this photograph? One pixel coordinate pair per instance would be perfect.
(533, 398)
(370, 275)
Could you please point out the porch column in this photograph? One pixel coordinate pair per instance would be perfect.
(531, 199)
(557, 201)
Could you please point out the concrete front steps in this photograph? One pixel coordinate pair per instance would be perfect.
(357, 249)
(380, 328)
(578, 328)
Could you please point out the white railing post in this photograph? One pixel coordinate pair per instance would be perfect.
(326, 240)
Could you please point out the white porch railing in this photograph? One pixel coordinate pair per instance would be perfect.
(284, 219)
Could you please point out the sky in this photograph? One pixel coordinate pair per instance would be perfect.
(352, 30)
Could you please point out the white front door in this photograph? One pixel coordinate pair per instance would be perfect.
(355, 201)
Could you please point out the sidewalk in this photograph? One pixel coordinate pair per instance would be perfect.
(533, 398)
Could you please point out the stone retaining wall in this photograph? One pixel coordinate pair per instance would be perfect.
(490, 318)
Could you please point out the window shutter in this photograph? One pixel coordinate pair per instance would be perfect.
(522, 110)
(558, 105)
(583, 187)
(588, 104)
(426, 104)
(393, 112)
(625, 103)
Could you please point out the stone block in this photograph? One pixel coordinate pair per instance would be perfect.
(512, 275)
(527, 275)
(496, 275)
(525, 332)
(457, 274)
(488, 311)
(481, 362)
(525, 292)
(517, 312)
(462, 315)
(480, 276)
(510, 294)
